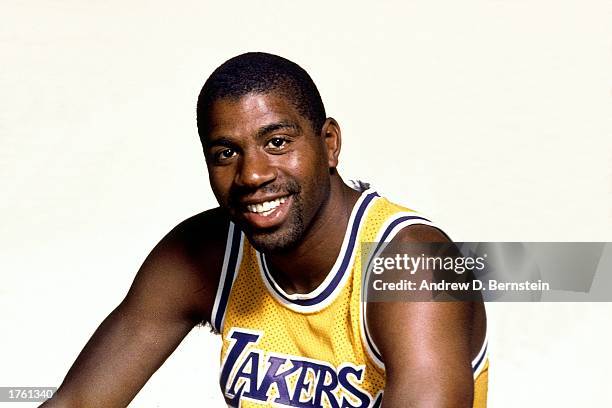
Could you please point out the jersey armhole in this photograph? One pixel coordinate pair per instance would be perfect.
(229, 270)
(390, 229)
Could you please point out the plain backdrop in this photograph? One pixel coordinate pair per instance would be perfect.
(491, 117)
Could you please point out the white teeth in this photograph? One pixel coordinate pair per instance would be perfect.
(267, 207)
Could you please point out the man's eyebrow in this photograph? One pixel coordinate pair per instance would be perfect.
(222, 141)
(272, 127)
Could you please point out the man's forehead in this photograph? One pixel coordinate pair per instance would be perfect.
(252, 111)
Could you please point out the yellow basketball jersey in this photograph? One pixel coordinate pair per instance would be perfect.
(308, 350)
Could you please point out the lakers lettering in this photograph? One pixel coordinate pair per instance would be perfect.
(249, 373)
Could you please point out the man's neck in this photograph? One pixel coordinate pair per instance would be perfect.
(302, 269)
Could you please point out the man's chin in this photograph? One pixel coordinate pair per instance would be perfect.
(281, 237)
(272, 241)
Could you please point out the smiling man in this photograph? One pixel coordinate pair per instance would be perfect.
(276, 271)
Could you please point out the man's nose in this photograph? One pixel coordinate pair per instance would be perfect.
(255, 170)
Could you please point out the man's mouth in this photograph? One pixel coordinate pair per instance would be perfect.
(268, 214)
(267, 207)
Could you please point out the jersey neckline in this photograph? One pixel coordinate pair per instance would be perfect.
(323, 294)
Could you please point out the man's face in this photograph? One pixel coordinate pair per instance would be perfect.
(267, 168)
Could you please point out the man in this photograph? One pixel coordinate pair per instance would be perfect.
(276, 270)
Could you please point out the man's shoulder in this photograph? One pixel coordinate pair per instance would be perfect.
(199, 239)
(205, 227)
(187, 261)
(424, 233)
(194, 246)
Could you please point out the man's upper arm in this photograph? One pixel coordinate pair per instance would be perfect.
(173, 291)
(428, 347)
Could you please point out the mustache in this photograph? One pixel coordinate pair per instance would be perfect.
(238, 193)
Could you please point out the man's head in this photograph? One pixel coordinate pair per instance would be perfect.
(270, 152)
(262, 73)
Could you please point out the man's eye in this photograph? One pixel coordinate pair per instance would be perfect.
(277, 143)
(225, 154)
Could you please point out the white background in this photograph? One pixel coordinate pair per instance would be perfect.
(491, 117)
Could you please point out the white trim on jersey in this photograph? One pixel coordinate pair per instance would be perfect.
(479, 361)
(360, 211)
(224, 288)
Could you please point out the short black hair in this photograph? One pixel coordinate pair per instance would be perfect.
(260, 72)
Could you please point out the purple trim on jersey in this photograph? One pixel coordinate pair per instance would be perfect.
(394, 224)
(343, 266)
(481, 359)
(229, 278)
(378, 401)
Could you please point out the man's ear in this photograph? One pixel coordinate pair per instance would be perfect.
(333, 141)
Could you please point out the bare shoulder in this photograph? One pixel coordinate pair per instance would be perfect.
(184, 267)
(421, 233)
